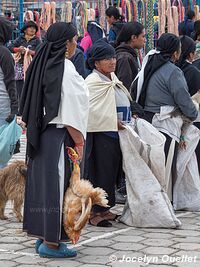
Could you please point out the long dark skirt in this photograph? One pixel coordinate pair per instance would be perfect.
(19, 86)
(48, 178)
(102, 162)
(149, 117)
(197, 124)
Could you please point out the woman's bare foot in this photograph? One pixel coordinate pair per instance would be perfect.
(98, 220)
(108, 215)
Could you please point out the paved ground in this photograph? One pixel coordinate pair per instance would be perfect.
(116, 246)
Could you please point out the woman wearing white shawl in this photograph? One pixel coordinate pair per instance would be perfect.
(109, 107)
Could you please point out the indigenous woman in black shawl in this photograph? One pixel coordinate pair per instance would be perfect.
(161, 83)
(54, 106)
(192, 74)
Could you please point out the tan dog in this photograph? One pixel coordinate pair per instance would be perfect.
(12, 185)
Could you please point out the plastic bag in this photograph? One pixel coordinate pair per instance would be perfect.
(9, 135)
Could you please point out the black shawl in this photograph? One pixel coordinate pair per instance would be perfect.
(41, 94)
(167, 44)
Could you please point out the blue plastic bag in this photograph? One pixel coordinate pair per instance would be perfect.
(9, 135)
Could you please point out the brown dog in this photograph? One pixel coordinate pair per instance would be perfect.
(12, 185)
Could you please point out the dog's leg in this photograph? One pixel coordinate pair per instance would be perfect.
(2, 208)
(17, 208)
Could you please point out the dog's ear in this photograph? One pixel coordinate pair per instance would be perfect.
(23, 171)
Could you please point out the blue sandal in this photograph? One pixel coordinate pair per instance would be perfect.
(37, 245)
(62, 252)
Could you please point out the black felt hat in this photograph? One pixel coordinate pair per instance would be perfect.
(29, 24)
(101, 49)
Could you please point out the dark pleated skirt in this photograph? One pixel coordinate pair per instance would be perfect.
(102, 163)
(197, 124)
(42, 194)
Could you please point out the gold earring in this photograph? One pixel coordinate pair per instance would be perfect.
(66, 54)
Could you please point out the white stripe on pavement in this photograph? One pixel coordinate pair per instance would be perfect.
(92, 239)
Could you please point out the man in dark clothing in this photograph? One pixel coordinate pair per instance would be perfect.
(186, 27)
(8, 93)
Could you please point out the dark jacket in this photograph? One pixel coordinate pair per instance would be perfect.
(186, 27)
(21, 41)
(127, 64)
(115, 30)
(79, 62)
(7, 64)
(192, 76)
(196, 63)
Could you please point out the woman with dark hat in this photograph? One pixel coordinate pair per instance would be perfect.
(109, 108)
(191, 73)
(161, 84)
(54, 106)
(19, 46)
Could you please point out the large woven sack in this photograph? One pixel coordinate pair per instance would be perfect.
(147, 203)
(186, 194)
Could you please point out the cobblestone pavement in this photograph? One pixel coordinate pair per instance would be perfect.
(117, 246)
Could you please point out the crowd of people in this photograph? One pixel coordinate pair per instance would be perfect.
(82, 94)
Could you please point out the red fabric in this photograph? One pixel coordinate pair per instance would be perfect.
(16, 49)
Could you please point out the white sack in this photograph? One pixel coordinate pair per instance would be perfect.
(186, 193)
(144, 166)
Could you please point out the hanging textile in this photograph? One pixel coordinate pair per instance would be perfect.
(102, 12)
(150, 26)
(175, 19)
(180, 10)
(135, 11)
(81, 17)
(162, 16)
(53, 12)
(91, 14)
(37, 21)
(140, 11)
(128, 11)
(196, 10)
(28, 16)
(170, 22)
(66, 12)
(46, 16)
